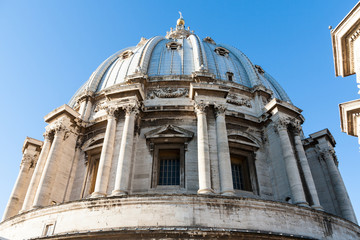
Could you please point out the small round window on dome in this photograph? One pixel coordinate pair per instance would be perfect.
(126, 54)
(222, 51)
(173, 46)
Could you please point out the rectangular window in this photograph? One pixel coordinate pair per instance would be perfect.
(240, 173)
(49, 229)
(169, 172)
(168, 166)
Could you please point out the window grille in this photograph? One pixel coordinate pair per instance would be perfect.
(169, 169)
(238, 178)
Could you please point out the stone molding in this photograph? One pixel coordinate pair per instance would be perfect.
(103, 214)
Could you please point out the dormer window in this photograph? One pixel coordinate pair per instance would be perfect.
(173, 45)
(209, 40)
(126, 54)
(259, 69)
(222, 51)
(230, 76)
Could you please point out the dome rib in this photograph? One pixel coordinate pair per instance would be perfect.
(196, 52)
(147, 52)
(94, 82)
(211, 52)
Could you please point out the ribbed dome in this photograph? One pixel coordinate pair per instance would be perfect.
(180, 54)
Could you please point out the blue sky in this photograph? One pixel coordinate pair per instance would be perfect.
(48, 49)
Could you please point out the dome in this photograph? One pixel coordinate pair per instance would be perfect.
(179, 138)
(179, 55)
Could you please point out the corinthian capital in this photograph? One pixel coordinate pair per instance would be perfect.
(131, 108)
(200, 107)
(28, 160)
(48, 135)
(219, 109)
(296, 125)
(329, 153)
(111, 111)
(282, 123)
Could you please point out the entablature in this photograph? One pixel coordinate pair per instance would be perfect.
(349, 117)
(343, 37)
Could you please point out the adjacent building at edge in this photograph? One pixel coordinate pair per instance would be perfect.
(346, 50)
(179, 137)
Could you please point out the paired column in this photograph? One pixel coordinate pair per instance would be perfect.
(34, 183)
(48, 176)
(226, 182)
(103, 174)
(338, 185)
(306, 169)
(20, 188)
(292, 170)
(125, 154)
(203, 150)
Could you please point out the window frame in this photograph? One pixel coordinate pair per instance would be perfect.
(156, 165)
(92, 159)
(236, 150)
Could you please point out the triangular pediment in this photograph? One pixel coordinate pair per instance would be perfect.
(169, 131)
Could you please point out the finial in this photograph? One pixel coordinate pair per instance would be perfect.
(180, 21)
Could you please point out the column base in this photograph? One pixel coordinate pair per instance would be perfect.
(97, 195)
(303, 204)
(228, 193)
(317, 207)
(118, 193)
(205, 191)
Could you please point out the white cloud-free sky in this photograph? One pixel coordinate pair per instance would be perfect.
(48, 49)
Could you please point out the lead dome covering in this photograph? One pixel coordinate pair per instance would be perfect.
(177, 56)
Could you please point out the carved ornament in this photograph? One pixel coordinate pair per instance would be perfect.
(168, 92)
(220, 109)
(200, 107)
(100, 106)
(29, 159)
(131, 108)
(355, 35)
(233, 99)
